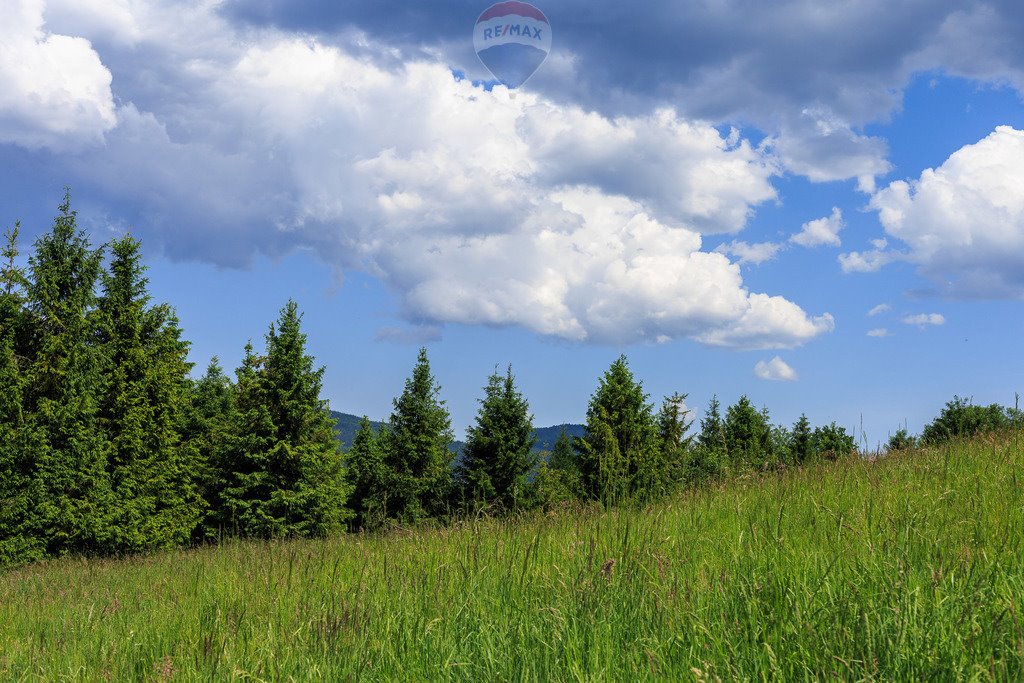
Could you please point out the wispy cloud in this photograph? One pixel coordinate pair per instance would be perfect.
(410, 335)
(879, 309)
(750, 253)
(879, 332)
(924, 319)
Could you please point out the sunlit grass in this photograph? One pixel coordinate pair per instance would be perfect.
(907, 568)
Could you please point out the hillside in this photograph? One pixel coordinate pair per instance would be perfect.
(348, 425)
(906, 568)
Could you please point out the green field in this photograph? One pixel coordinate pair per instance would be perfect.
(907, 568)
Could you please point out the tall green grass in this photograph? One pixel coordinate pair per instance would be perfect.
(906, 568)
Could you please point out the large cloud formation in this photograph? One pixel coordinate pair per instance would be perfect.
(809, 74)
(54, 91)
(474, 206)
(964, 221)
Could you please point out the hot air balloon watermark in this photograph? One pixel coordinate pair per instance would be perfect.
(512, 40)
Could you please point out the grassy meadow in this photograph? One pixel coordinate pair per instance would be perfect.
(910, 567)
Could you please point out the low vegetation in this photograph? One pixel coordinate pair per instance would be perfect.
(908, 567)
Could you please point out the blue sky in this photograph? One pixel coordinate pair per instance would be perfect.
(821, 206)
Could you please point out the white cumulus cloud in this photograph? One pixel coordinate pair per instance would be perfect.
(964, 221)
(776, 370)
(54, 90)
(879, 332)
(821, 231)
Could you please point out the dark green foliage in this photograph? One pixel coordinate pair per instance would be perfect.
(557, 480)
(16, 545)
(781, 445)
(674, 443)
(801, 445)
(285, 476)
(748, 436)
(69, 496)
(708, 459)
(960, 418)
(142, 396)
(207, 431)
(246, 487)
(498, 454)
(417, 458)
(900, 441)
(619, 455)
(831, 442)
(367, 475)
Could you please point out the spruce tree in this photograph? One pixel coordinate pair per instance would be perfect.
(289, 479)
(207, 428)
(245, 475)
(709, 459)
(801, 446)
(141, 403)
(747, 435)
(417, 456)
(619, 454)
(16, 542)
(498, 455)
(69, 487)
(674, 443)
(365, 472)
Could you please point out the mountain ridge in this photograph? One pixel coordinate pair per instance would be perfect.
(346, 426)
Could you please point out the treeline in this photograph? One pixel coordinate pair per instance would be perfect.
(959, 419)
(109, 446)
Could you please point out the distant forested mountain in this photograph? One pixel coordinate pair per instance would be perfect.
(546, 436)
(347, 425)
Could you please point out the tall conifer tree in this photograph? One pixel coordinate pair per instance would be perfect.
(498, 457)
(143, 396)
(207, 427)
(70, 488)
(417, 455)
(288, 478)
(16, 542)
(748, 435)
(367, 476)
(801, 443)
(245, 477)
(674, 443)
(619, 455)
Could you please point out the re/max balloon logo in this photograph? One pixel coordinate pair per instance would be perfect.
(513, 30)
(512, 39)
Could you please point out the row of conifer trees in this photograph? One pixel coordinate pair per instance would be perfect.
(108, 446)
